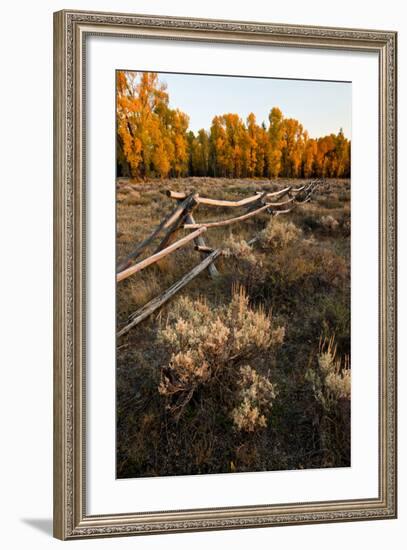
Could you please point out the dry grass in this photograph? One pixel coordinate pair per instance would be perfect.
(175, 416)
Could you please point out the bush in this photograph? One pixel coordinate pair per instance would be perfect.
(207, 346)
(331, 380)
(329, 223)
(244, 266)
(344, 222)
(256, 394)
(240, 250)
(309, 267)
(326, 224)
(309, 222)
(278, 234)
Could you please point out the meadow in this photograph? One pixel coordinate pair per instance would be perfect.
(247, 371)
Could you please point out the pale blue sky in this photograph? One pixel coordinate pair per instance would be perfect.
(321, 107)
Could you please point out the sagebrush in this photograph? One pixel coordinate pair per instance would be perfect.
(208, 346)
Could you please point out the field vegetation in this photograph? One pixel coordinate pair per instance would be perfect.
(247, 371)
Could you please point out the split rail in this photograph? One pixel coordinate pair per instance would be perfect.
(275, 204)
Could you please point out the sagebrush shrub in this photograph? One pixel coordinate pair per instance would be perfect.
(240, 250)
(255, 396)
(310, 265)
(331, 380)
(330, 377)
(243, 263)
(277, 234)
(329, 223)
(209, 344)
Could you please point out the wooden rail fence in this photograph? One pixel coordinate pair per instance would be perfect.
(182, 218)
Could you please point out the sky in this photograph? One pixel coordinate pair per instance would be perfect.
(322, 107)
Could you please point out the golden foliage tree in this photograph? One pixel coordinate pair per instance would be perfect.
(151, 137)
(154, 140)
(275, 141)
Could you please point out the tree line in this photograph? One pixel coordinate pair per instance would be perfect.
(154, 141)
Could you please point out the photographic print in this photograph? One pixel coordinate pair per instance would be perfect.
(233, 274)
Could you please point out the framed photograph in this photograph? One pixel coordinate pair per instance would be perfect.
(225, 274)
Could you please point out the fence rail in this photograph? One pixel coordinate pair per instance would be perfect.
(156, 303)
(159, 255)
(182, 218)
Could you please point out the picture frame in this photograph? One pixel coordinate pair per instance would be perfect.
(72, 30)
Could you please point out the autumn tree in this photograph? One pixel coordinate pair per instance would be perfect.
(263, 148)
(292, 147)
(252, 146)
(342, 155)
(199, 153)
(151, 137)
(275, 142)
(128, 142)
(308, 156)
(218, 152)
(154, 140)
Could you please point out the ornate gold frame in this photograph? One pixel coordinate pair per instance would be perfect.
(70, 31)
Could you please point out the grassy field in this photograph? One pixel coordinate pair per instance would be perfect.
(195, 394)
